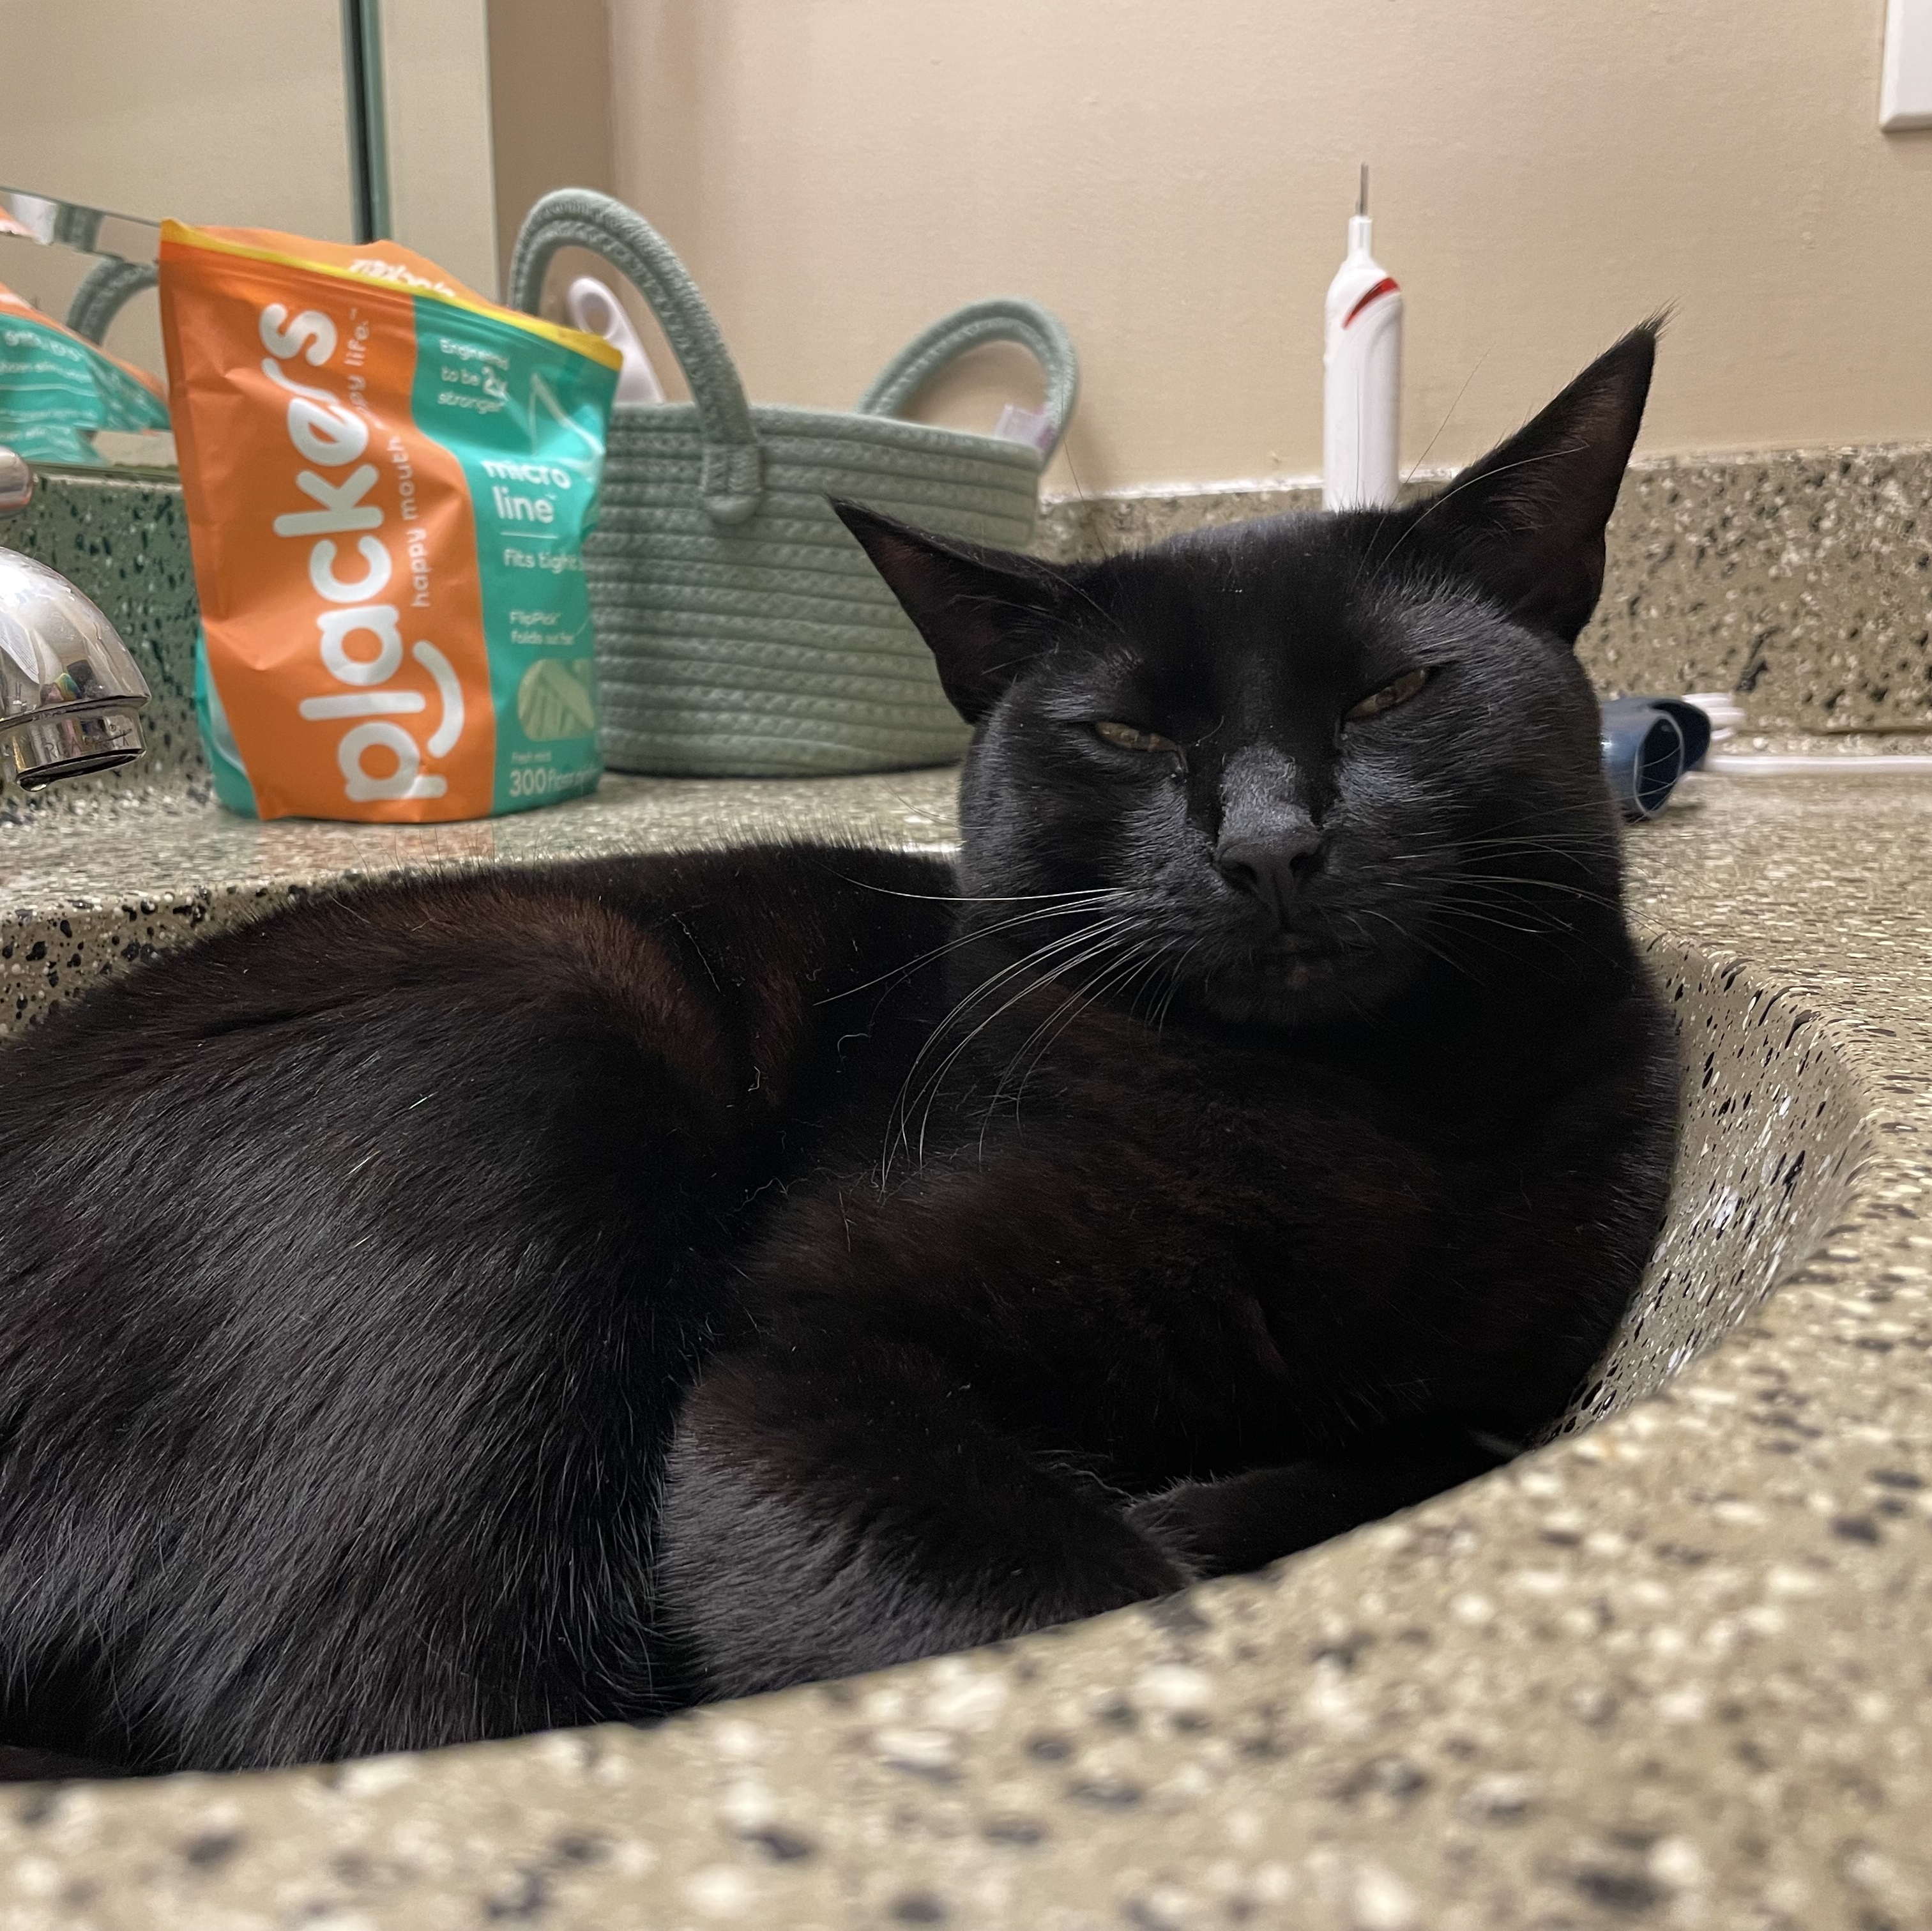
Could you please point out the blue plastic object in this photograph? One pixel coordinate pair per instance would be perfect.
(1649, 744)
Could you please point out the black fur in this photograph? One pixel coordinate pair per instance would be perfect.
(465, 1306)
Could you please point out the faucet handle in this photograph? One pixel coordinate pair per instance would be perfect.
(70, 692)
(17, 483)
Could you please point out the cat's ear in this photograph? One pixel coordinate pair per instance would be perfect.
(1528, 520)
(984, 613)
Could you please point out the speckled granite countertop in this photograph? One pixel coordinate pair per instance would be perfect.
(1675, 1670)
(1800, 580)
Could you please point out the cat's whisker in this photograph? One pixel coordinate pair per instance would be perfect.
(1533, 921)
(1455, 490)
(1546, 822)
(1112, 982)
(1082, 999)
(1584, 810)
(1096, 901)
(1464, 919)
(993, 981)
(1350, 997)
(1450, 920)
(1580, 853)
(1144, 983)
(1100, 609)
(1509, 881)
(1417, 939)
(968, 899)
(1489, 840)
(1583, 863)
(1456, 910)
(1173, 960)
(1020, 965)
(1088, 504)
(931, 1090)
(900, 1114)
(1177, 978)
(1172, 955)
(1109, 984)
(1110, 978)
(1414, 468)
(1460, 926)
(1123, 943)
(899, 1119)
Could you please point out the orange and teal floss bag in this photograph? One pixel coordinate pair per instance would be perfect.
(388, 482)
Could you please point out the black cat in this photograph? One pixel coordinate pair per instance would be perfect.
(461, 1306)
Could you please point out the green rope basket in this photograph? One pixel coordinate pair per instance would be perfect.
(741, 631)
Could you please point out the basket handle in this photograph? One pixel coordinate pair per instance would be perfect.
(104, 291)
(732, 479)
(1000, 318)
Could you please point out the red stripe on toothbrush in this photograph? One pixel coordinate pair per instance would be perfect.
(1387, 285)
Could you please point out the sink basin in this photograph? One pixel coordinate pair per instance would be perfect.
(1132, 1741)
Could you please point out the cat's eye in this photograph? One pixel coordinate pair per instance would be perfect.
(1128, 739)
(1404, 688)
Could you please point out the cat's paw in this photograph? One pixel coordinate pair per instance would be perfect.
(1205, 1530)
(1245, 1521)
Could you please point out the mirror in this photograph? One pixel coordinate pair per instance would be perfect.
(221, 111)
(91, 272)
(340, 119)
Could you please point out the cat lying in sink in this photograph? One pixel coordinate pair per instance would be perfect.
(464, 1307)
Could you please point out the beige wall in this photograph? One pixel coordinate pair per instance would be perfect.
(1171, 175)
(550, 103)
(1174, 176)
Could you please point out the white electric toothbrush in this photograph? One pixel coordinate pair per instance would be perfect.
(1361, 367)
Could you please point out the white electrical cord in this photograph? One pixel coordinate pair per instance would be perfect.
(1826, 764)
(1725, 717)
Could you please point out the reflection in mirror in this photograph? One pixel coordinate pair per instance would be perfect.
(76, 386)
(337, 119)
(425, 71)
(222, 113)
(94, 231)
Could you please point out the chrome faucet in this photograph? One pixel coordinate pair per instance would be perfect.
(69, 690)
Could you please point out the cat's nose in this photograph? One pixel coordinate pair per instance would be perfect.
(1274, 870)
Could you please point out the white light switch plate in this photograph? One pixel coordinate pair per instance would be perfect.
(1905, 92)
